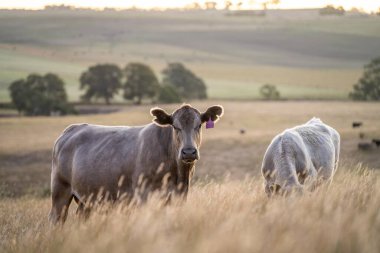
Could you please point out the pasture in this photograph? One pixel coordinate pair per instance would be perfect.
(304, 55)
(226, 211)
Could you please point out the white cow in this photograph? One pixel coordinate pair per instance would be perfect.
(301, 157)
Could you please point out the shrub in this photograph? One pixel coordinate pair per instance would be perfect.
(269, 92)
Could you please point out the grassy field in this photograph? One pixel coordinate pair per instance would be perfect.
(306, 56)
(227, 210)
(218, 217)
(25, 149)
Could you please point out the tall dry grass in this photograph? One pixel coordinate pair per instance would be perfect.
(227, 216)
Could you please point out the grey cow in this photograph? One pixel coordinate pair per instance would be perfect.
(301, 157)
(114, 160)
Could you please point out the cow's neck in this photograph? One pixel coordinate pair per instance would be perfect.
(181, 173)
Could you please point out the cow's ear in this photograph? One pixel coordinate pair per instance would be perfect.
(161, 117)
(214, 113)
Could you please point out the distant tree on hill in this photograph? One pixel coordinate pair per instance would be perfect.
(210, 5)
(193, 6)
(227, 5)
(101, 81)
(270, 2)
(331, 10)
(61, 7)
(141, 82)
(368, 86)
(168, 94)
(239, 5)
(40, 95)
(269, 92)
(186, 83)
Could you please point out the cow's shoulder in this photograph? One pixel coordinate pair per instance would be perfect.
(74, 128)
(314, 120)
(66, 135)
(315, 124)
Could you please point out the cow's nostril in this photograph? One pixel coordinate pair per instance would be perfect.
(189, 151)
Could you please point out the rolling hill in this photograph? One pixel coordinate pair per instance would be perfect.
(306, 56)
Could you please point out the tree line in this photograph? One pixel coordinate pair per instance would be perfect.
(44, 95)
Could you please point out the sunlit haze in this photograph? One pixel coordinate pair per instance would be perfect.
(367, 5)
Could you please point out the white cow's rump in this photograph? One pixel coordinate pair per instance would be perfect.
(301, 157)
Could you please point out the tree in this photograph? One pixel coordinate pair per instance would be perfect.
(368, 86)
(40, 95)
(210, 5)
(193, 6)
(101, 81)
(186, 83)
(331, 10)
(269, 91)
(168, 94)
(227, 5)
(141, 82)
(269, 2)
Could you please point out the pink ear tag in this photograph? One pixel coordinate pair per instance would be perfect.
(209, 124)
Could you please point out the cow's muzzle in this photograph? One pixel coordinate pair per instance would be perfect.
(189, 155)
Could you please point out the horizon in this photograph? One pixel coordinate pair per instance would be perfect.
(365, 5)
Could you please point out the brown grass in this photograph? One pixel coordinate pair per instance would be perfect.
(230, 216)
(25, 147)
(227, 210)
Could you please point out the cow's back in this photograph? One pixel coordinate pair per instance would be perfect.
(91, 157)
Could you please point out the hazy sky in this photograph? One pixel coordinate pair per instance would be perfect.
(368, 5)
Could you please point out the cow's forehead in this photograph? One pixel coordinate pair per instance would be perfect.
(186, 115)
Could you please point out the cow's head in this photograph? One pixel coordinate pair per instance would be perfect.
(186, 123)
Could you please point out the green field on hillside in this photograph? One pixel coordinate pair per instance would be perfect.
(306, 57)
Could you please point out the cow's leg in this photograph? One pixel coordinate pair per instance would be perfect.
(326, 168)
(82, 211)
(61, 198)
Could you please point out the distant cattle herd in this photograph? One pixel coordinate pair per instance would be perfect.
(93, 163)
(365, 144)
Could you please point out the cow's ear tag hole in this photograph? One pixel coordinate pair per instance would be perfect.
(209, 124)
